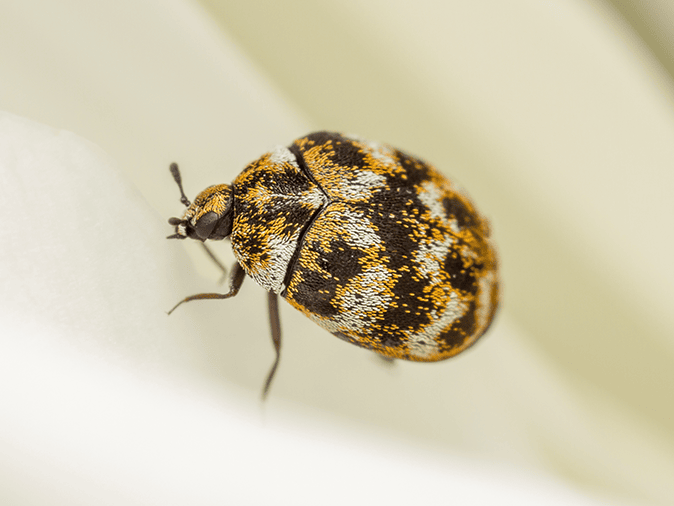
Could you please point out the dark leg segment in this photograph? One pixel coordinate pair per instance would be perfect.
(275, 324)
(236, 281)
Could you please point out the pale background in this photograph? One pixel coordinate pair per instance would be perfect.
(558, 118)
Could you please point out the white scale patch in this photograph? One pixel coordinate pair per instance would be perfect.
(423, 344)
(430, 257)
(454, 226)
(484, 288)
(359, 232)
(358, 187)
(283, 249)
(381, 152)
(357, 310)
(431, 197)
(315, 197)
(281, 155)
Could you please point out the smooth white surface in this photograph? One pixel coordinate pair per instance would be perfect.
(147, 441)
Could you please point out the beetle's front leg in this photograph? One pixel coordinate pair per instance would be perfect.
(236, 280)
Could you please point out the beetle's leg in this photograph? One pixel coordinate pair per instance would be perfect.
(235, 283)
(275, 323)
(216, 261)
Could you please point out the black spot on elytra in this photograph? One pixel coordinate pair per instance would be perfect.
(292, 181)
(416, 170)
(397, 238)
(462, 278)
(253, 245)
(461, 330)
(317, 289)
(347, 154)
(342, 262)
(344, 151)
(408, 312)
(287, 181)
(457, 209)
(291, 226)
(315, 293)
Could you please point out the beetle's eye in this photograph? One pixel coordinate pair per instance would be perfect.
(205, 225)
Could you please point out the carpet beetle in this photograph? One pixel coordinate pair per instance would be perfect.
(372, 244)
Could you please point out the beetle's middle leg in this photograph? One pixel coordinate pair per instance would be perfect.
(275, 324)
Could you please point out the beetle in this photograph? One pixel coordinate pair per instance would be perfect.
(374, 245)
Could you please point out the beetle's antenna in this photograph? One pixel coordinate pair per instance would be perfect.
(176, 177)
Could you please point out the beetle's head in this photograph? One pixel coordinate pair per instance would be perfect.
(210, 216)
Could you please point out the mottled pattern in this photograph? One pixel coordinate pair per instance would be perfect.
(273, 204)
(374, 245)
(398, 261)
